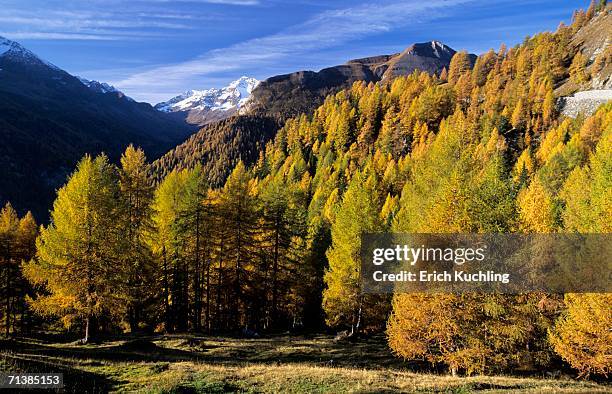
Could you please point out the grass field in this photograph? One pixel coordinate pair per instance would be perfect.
(192, 364)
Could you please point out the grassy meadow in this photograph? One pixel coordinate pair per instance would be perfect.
(288, 364)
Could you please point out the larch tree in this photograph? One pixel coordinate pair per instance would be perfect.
(457, 187)
(26, 243)
(583, 334)
(343, 301)
(238, 205)
(459, 64)
(136, 191)
(536, 209)
(194, 222)
(17, 244)
(9, 224)
(587, 192)
(77, 253)
(279, 224)
(167, 242)
(519, 115)
(577, 69)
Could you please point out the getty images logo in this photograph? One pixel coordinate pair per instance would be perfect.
(411, 255)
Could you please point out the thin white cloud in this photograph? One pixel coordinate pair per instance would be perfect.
(233, 2)
(326, 30)
(222, 2)
(98, 24)
(21, 35)
(80, 23)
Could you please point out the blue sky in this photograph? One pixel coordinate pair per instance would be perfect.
(155, 49)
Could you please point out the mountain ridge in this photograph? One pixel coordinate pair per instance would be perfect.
(52, 119)
(287, 95)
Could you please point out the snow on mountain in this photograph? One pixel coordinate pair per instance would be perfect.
(229, 98)
(102, 87)
(14, 50)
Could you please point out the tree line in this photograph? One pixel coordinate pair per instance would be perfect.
(122, 254)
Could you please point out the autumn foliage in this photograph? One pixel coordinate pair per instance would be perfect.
(275, 245)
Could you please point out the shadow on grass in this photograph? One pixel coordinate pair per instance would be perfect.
(321, 350)
(75, 380)
(133, 351)
(32, 355)
(370, 353)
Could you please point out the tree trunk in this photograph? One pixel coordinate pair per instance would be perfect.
(208, 326)
(7, 317)
(275, 269)
(219, 287)
(87, 329)
(237, 289)
(359, 315)
(196, 277)
(166, 291)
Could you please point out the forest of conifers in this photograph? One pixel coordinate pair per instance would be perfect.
(477, 149)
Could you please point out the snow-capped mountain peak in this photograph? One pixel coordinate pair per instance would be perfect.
(244, 86)
(14, 50)
(201, 104)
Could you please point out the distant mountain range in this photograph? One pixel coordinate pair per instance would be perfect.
(49, 119)
(205, 106)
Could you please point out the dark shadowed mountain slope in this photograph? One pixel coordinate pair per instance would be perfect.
(49, 119)
(219, 146)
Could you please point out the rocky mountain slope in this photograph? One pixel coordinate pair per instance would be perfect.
(288, 95)
(593, 41)
(205, 106)
(49, 119)
(585, 102)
